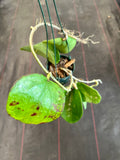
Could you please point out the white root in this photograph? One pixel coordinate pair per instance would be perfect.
(80, 38)
(96, 81)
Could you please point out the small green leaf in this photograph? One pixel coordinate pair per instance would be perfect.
(61, 45)
(40, 49)
(88, 93)
(34, 100)
(73, 109)
(84, 105)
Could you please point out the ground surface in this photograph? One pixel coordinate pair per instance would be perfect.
(97, 135)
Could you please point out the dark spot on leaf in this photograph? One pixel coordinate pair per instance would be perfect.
(34, 114)
(18, 108)
(38, 108)
(45, 117)
(9, 115)
(14, 103)
(23, 110)
(50, 116)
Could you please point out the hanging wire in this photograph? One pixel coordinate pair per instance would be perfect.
(51, 30)
(45, 29)
(60, 24)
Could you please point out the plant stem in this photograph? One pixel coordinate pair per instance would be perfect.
(69, 33)
(32, 49)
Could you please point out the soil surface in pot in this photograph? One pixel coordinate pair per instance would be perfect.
(64, 63)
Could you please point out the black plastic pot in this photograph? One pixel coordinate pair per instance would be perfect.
(65, 79)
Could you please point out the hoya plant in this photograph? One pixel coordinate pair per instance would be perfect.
(37, 98)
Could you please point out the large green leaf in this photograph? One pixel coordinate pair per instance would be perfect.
(34, 100)
(88, 93)
(62, 46)
(40, 49)
(73, 109)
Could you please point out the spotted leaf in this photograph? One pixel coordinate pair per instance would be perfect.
(88, 93)
(34, 100)
(73, 109)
